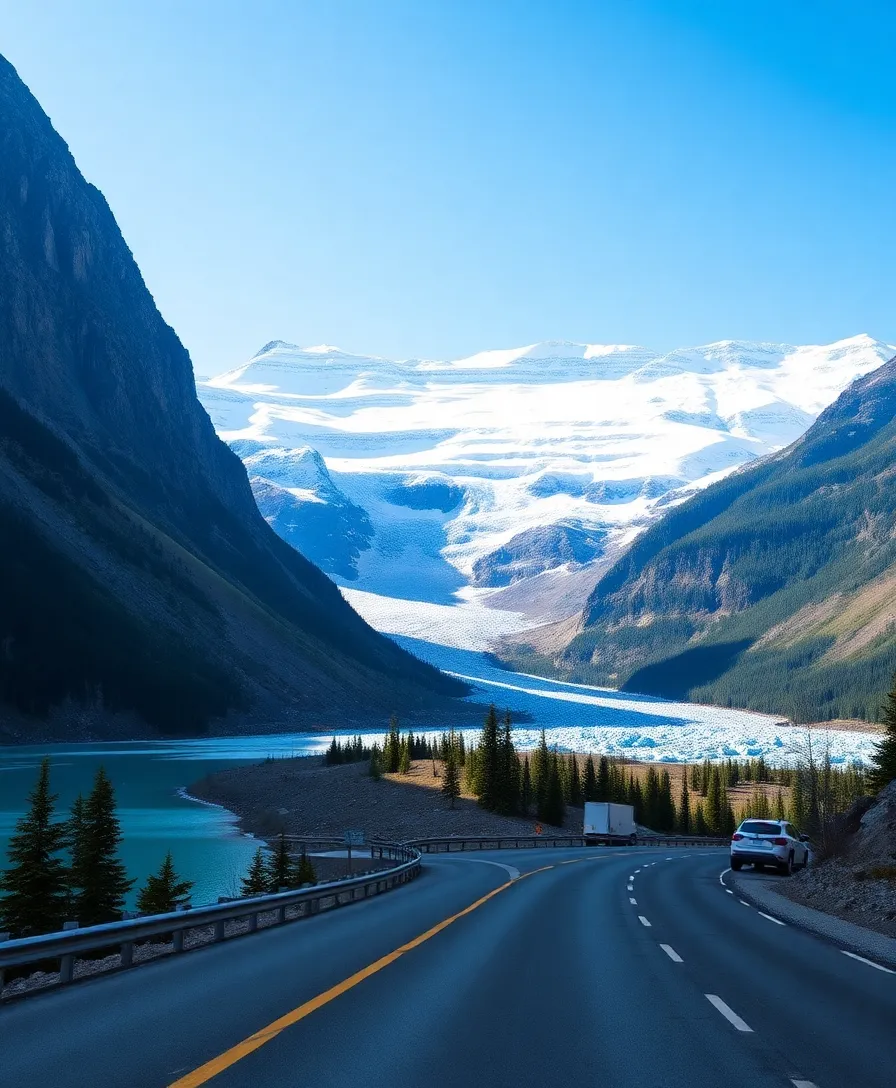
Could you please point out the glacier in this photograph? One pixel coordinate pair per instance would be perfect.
(512, 477)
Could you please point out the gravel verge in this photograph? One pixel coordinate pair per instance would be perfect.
(859, 939)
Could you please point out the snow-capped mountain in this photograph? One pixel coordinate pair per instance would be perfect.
(512, 477)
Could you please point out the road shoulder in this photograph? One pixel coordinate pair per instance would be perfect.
(866, 942)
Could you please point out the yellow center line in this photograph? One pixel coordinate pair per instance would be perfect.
(230, 1057)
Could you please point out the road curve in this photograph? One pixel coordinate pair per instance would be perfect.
(610, 968)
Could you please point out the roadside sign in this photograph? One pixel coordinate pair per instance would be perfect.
(354, 838)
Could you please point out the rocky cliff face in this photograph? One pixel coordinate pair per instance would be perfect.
(142, 582)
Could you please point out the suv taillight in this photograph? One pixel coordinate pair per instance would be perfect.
(779, 842)
(736, 837)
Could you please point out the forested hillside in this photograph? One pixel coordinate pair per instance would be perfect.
(774, 589)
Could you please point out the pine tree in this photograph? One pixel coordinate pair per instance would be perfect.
(75, 840)
(374, 767)
(161, 893)
(36, 896)
(604, 785)
(695, 777)
(305, 873)
(652, 814)
(104, 882)
(404, 760)
(883, 770)
(780, 813)
(589, 781)
(666, 807)
(451, 776)
(684, 807)
(714, 808)
(541, 762)
(489, 763)
(279, 866)
(526, 788)
(575, 784)
(392, 748)
(255, 882)
(553, 810)
(700, 827)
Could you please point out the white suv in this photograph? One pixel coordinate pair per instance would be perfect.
(769, 842)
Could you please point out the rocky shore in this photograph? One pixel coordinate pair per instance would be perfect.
(303, 797)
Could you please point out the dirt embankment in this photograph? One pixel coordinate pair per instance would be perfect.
(859, 885)
(303, 797)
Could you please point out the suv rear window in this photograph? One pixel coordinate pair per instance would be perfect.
(758, 827)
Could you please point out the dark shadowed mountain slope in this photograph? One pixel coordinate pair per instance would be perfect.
(775, 589)
(140, 583)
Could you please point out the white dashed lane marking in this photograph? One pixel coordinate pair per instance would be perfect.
(671, 953)
(870, 963)
(634, 902)
(643, 921)
(729, 1014)
(777, 921)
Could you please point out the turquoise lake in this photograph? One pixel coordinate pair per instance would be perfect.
(206, 844)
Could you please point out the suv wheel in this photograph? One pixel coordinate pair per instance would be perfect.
(736, 864)
(787, 867)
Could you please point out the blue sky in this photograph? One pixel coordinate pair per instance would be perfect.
(437, 177)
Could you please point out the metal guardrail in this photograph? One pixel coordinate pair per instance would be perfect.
(452, 845)
(123, 936)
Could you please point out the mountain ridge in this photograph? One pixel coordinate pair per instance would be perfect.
(143, 591)
(772, 589)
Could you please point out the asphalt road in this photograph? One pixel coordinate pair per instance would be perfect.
(554, 979)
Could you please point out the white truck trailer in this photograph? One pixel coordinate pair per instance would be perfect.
(605, 822)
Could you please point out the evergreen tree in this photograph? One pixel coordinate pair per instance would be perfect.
(636, 799)
(700, 827)
(714, 808)
(392, 748)
(575, 784)
(541, 762)
(798, 806)
(279, 866)
(489, 791)
(374, 767)
(451, 775)
(36, 896)
(471, 771)
(695, 777)
(255, 882)
(526, 788)
(553, 810)
(404, 760)
(780, 813)
(75, 840)
(104, 882)
(652, 814)
(883, 769)
(684, 808)
(302, 871)
(589, 781)
(508, 786)
(306, 873)
(666, 803)
(461, 751)
(161, 893)
(604, 785)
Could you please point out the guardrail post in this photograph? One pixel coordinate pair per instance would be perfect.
(178, 935)
(3, 937)
(253, 921)
(67, 963)
(126, 951)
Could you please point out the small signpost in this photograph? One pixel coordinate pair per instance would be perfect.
(353, 838)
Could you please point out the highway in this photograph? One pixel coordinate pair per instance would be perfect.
(604, 968)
